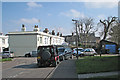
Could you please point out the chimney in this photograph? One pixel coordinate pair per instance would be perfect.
(72, 34)
(46, 30)
(1, 33)
(61, 35)
(57, 33)
(23, 28)
(53, 32)
(36, 28)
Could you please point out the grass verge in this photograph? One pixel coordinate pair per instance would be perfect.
(113, 76)
(6, 59)
(97, 64)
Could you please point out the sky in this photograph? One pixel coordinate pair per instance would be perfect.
(53, 15)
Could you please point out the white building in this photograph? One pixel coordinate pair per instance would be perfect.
(27, 41)
(3, 42)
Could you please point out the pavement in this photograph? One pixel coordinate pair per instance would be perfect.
(65, 70)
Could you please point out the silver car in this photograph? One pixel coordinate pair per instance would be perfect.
(31, 54)
(7, 54)
(75, 51)
(89, 52)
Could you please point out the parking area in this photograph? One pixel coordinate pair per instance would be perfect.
(23, 67)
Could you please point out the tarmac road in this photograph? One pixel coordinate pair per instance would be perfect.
(24, 68)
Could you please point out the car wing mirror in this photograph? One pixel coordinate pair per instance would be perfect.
(65, 51)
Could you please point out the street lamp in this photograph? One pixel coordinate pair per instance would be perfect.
(76, 23)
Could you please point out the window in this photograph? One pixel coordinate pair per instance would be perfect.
(53, 41)
(40, 39)
(56, 41)
(3, 41)
(46, 40)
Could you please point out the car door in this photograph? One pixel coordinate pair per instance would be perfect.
(69, 52)
(66, 53)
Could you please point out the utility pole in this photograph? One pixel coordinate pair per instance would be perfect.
(76, 23)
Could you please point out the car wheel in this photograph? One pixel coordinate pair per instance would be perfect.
(58, 61)
(27, 55)
(63, 58)
(71, 57)
(54, 64)
(81, 55)
(39, 64)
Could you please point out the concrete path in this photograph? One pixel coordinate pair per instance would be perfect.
(98, 74)
(66, 69)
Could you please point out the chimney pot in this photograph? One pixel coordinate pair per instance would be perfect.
(72, 34)
(61, 35)
(46, 30)
(23, 25)
(53, 32)
(23, 28)
(36, 28)
(58, 34)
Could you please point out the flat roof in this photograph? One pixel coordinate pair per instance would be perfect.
(32, 33)
(3, 36)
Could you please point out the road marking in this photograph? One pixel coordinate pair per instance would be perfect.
(13, 76)
(23, 72)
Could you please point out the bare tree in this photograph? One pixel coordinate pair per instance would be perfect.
(107, 23)
(85, 27)
(114, 33)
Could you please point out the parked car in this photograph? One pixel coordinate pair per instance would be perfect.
(65, 53)
(88, 52)
(31, 54)
(47, 55)
(75, 51)
(61, 53)
(119, 50)
(7, 54)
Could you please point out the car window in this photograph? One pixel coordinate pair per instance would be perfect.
(93, 50)
(11, 52)
(69, 49)
(44, 49)
(5, 52)
(87, 50)
(78, 49)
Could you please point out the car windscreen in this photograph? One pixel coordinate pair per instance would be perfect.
(61, 50)
(82, 50)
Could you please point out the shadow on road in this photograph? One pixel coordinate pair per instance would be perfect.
(28, 66)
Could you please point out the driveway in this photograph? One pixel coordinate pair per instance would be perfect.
(24, 68)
